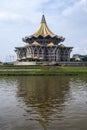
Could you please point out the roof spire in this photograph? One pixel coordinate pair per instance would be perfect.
(43, 19)
(43, 29)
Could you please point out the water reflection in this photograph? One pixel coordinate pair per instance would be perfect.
(45, 95)
(43, 103)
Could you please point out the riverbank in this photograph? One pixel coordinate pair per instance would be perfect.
(12, 70)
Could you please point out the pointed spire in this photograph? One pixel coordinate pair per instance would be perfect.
(43, 29)
(43, 19)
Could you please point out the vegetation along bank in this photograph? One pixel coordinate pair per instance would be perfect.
(42, 70)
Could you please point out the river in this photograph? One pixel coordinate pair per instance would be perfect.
(43, 103)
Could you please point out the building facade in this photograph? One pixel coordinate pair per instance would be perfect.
(43, 45)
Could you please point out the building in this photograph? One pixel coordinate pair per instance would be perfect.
(44, 46)
(78, 57)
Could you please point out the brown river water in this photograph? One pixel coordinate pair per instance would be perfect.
(43, 103)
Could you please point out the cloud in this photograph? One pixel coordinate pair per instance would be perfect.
(32, 7)
(21, 10)
(76, 14)
(78, 7)
(19, 18)
(75, 25)
(5, 16)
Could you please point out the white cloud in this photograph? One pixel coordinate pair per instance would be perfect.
(29, 10)
(5, 16)
(78, 7)
(22, 17)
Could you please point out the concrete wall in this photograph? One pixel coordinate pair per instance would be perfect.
(52, 63)
(25, 63)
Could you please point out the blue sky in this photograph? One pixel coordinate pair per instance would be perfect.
(19, 18)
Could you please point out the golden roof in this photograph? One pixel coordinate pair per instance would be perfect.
(50, 44)
(61, 45)
(35, 57)
(23, 57)
(40, 58)
(77, 59)
(43, 29)
(29, 56)
(35, 43)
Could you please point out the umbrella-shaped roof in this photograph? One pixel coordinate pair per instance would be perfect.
(43, 32)
(43, 29)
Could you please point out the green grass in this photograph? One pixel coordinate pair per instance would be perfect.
(42, 70)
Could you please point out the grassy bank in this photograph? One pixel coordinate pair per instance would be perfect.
(42, 70)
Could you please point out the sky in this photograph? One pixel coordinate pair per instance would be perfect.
(20, 18)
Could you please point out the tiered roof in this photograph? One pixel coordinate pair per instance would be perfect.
(43, 29)
(43, 32)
